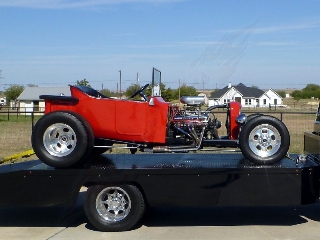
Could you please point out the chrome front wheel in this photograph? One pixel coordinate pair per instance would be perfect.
(264, 140)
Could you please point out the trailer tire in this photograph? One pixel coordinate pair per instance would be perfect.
(264, 140)
(111, 208)
(62, 139)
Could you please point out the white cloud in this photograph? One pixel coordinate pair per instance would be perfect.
(277, 43)
(288, 28)
(62, 4)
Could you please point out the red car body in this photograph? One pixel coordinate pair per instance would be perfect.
(124, 120)
(127, 120)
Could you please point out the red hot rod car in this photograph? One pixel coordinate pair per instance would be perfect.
(87, 123)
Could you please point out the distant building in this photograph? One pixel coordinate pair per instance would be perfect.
(247, 96)
(205, 97)
(29, 99)
(3, 101)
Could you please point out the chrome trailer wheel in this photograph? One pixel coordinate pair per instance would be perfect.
(113, 204)
(114, 208)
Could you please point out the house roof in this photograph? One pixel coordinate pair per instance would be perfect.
(266, 92)
(245, 91)
(33, 93)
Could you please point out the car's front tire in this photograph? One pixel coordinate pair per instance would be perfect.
(264, 140)
(61, 139)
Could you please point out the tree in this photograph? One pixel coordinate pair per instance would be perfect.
(83, 82)
(282, 93)
(213, 92)
(311, 90)
(297, 95)
(108, 93)
(13, 92)
(166, 94)
(131, 90)
(186, 91)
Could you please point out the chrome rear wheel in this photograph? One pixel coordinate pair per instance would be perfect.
(59, 139)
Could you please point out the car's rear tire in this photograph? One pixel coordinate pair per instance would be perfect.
(113, 208)
(264, 140)
(62, 139)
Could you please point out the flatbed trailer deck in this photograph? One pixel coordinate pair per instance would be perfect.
(120, 186)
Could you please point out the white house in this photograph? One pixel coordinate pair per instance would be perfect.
(3, 101)
(247, 96)
(29, 100)
(270, 97)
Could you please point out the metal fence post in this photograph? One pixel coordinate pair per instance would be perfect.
(32, 120)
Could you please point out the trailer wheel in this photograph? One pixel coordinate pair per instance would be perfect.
(114, 208)
(62, 139)
(264, 140)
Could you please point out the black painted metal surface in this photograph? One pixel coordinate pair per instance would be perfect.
(167, 179)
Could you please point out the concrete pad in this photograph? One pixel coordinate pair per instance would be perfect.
(240, 223)
(38, 223)
(213, 223)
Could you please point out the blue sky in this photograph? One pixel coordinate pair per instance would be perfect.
(203, 43)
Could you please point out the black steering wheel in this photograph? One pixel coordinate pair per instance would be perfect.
(140, 92)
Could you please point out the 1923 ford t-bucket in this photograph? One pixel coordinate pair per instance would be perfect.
(87, 123)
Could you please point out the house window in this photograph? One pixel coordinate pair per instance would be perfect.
(35, 106)
(264, 101)
(248, 102)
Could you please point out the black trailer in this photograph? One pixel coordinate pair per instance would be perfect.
(122, 186)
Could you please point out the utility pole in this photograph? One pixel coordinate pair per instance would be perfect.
(202, 85)
(179, 92)
(120, 83)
